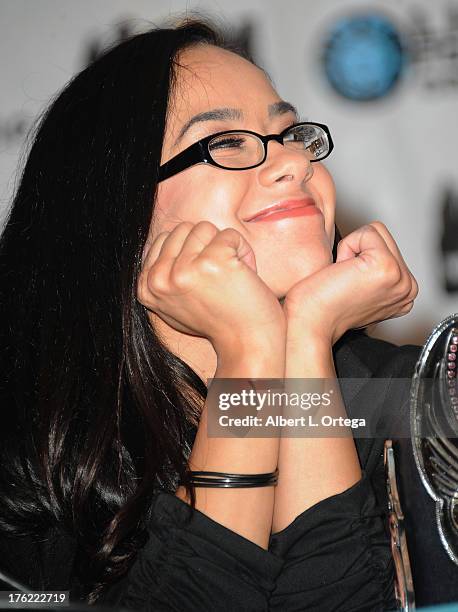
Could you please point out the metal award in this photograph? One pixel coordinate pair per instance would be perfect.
(434, 427)
(403, 584)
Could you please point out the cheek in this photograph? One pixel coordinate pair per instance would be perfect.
(202, 196)
(168, 208)
(323, 186)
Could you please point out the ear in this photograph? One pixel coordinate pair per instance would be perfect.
(337, 238)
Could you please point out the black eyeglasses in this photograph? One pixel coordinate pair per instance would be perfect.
(244, 149)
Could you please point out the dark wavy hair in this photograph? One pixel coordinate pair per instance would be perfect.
(95, 409)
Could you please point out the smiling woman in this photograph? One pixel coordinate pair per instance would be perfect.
(214, 80)
(175, 223)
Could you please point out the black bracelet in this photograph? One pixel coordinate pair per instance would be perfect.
(225, 480)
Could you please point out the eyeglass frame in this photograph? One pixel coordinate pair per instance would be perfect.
(199, 152)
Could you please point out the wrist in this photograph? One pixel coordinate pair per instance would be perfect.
(260, 345)
(262, 361)
(301, 334)
(308, 354)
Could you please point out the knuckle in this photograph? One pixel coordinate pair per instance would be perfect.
(407, 307)
(378, 225)
(207, 265)
(141, 294)
(158, 280)
(390, 272)
(159, 239)
(409, 293)
(187, 224)
(411, 287)
(229, 231)
(141, 285)
(403, 287)
(181, 277)
(205, 226)
(144, 296)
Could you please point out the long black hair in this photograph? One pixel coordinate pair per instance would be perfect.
(95, 409)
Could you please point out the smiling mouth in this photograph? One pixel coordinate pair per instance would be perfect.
(286, 209)
(288, 213)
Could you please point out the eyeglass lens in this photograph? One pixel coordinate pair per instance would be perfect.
(236, 150)
(241, 150)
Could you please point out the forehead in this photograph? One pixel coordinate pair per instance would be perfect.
(209, 77)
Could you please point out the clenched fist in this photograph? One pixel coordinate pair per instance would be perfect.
(368, 283)
(203, 281)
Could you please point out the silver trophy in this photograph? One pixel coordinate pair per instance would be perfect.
(434, 438)
(434, 427)
(404, 590)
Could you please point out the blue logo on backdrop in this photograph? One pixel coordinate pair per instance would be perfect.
(364, 57)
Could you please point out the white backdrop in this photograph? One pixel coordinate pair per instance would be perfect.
(394, 159)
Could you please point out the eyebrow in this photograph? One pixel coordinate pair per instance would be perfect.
(233, 114)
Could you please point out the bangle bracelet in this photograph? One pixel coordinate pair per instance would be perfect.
(225, 480)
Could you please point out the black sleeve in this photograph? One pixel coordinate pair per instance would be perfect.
(197, 565)
(337, 553)
(336, 556)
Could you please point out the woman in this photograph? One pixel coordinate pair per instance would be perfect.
(130, 276)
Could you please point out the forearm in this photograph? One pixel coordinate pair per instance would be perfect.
(247, 511)
(312, 468)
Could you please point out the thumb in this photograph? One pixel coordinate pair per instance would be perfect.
(345, 250)
(246, 254)
(234, 246)
(358, 241)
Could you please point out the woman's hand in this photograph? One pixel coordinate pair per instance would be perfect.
(369, 282)
(203, 281)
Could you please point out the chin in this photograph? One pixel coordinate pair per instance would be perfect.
(282, 268)
(280, 284)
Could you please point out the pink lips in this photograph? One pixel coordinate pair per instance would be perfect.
(290, 208)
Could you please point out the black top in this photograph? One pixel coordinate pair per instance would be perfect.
(334, 556)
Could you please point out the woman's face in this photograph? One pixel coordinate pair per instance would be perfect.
(287, 249)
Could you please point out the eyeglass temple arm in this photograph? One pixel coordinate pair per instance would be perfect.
(194, 153)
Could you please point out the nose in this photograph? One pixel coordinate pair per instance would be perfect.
(284, 164)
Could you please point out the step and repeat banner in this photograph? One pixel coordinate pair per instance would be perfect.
(383, 75)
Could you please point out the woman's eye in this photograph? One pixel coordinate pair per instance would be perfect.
(227, 143)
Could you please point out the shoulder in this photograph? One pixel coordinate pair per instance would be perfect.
(358, 355)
